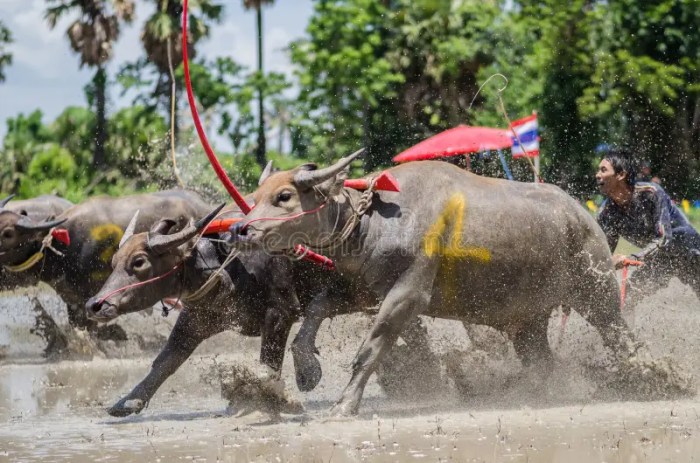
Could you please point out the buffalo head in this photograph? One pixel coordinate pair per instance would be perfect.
(21, 236)
(287, 203)
(146, 268)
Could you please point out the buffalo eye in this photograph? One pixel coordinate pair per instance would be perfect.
(7, 234)
(139, 263)
(284, 196)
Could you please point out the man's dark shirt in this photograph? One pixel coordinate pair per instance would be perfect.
(650, 221)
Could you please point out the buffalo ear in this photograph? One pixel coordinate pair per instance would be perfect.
(163, 226)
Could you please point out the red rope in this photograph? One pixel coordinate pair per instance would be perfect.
(625, 270)
(140, 283)
(290, 217)
(228, 184)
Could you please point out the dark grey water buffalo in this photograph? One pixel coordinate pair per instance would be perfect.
(40, 208)
(77, 270)
(452, 245)
(256, 294)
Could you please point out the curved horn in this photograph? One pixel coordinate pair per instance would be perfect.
(4, 202)
(160, 244)
(27, 224)
(204, 221)
(310, 178)
(129, 232)
(265, 173)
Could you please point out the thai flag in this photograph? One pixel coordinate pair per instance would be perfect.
(526, 128)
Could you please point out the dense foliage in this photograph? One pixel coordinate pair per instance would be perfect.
(385, 74)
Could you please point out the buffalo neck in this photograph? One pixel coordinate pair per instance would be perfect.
(349, 252)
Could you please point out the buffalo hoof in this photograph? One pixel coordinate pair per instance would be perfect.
(126, 407)
(307, 368)
(344, 410)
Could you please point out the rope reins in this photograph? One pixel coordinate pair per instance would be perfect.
(140, 283)
(287, 218)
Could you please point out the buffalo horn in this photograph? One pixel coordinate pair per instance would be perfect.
(310, 178)
(265, 173)
(129, 232)
(160, 244)
(4, 202)
(27, 224)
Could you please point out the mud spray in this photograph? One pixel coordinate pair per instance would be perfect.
(475, 404)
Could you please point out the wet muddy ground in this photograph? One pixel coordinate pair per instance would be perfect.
(55, 411)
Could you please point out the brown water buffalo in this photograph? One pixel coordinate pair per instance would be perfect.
(256, 294)
(77, 270)
(452, 245)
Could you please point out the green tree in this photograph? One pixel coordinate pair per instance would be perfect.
(347, 83)
(24, 135)
(5, 55)
(387, 74)
(257, 6)
(92, 35)
(162, 41)
(645, 76)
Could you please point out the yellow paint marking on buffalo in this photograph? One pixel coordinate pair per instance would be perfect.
(452, 216)
(107, 236)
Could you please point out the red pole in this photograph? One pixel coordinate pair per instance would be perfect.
(228, 184)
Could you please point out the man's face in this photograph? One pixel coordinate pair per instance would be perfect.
(606, 178)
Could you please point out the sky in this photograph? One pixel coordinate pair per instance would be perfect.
(46, 73)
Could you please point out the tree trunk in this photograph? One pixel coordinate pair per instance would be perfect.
(100, 82)
(261, 149)
(283, 129)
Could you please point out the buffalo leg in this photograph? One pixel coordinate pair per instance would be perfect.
(274, 339)
(603, 313)
(409, 296)
(307, 368)
(189, 331)
(531, 343)
(411, 370)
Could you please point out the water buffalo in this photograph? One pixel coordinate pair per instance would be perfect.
(452, 245)
(256, 294)
(77, 270)
(39, 209)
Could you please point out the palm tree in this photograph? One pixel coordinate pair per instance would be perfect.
(92, 35)
(257, 6)
(162, 40)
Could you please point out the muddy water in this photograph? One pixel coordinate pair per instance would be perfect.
(55, 411)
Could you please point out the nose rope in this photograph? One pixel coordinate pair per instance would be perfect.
(284, 219)
(140, 283)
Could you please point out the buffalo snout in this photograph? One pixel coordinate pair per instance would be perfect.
(98, 310)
